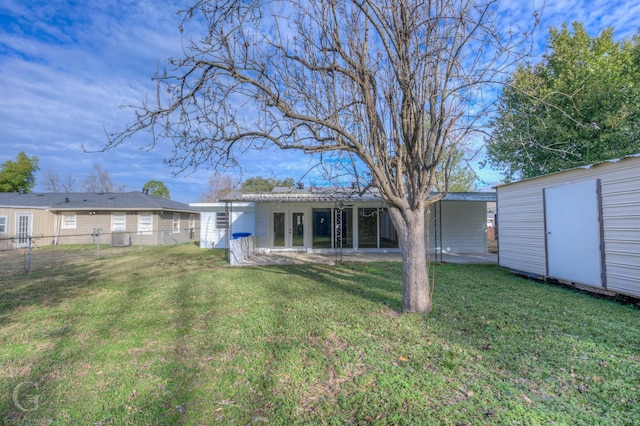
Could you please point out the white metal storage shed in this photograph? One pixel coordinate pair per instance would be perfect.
(580, 226)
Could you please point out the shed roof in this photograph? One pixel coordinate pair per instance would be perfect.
(319, 194)
(585, 167)
(92, 201)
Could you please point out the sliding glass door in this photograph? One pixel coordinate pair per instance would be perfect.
(332, 228)
(375, 229)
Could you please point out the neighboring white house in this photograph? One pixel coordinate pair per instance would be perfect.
(580, 226)
(327, 219)
(218, 221)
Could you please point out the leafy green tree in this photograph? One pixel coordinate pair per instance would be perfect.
(157, 189)
(585, 108)
(19, 174)
(260, 184)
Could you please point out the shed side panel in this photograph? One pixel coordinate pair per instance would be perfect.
(621, 212)
(521, 229)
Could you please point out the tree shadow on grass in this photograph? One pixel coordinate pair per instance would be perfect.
(291, 335)
(379, 283)
(43, 288)
(542, 348)
(77, 347)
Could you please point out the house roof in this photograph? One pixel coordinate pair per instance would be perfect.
(316, 194)
(91, 201)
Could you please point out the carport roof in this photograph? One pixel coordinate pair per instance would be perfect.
(316, 194)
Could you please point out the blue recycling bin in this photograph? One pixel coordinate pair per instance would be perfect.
(237, 235)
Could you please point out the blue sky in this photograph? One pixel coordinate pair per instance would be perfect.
(66, 67)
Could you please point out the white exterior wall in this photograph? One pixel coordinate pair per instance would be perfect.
(242, 219)
(521, 238)
(263, 226)
(464, 227)
(464, 224)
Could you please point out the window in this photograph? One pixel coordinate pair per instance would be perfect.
(145, 223)
(176, 223)
(118, 221)
(3, 224)
(68, 221)
(222, 220)
(192, 221)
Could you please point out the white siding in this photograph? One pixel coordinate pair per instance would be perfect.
(263, 226)
(621, 212)
(521, 221)
(464, 227)
(521, 244)
(463, 224)
(242, 220)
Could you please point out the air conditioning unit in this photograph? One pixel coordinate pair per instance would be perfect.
(120, 239)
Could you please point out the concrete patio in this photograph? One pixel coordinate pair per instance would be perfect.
(299, 258)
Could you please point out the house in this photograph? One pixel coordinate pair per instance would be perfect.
(329, 219)
(580, 226)
(78, 218)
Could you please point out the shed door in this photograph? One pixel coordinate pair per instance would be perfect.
(572, 221)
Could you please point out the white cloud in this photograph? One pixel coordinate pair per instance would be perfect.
(66, 67)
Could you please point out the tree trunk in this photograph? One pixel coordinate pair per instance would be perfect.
(410, 225)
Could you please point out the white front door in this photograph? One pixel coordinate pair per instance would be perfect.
(572, 218)
(288, 229)
(24, 228)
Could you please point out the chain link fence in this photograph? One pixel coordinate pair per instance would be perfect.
(35, 253)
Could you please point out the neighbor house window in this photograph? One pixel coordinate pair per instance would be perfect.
(3, 224)
(222, 220)
(192, 221)
(68, 221)
(118, 221)
(145, 222)
(176, 223)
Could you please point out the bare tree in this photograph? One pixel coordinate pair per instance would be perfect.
(54, 182)
(218, 186)
(393, 86)
(100, 181)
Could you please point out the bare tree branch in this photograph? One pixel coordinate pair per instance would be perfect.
(395, 86)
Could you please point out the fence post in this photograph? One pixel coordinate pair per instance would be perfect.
(30, 244)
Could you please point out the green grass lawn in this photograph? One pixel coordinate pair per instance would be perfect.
(173, 336)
